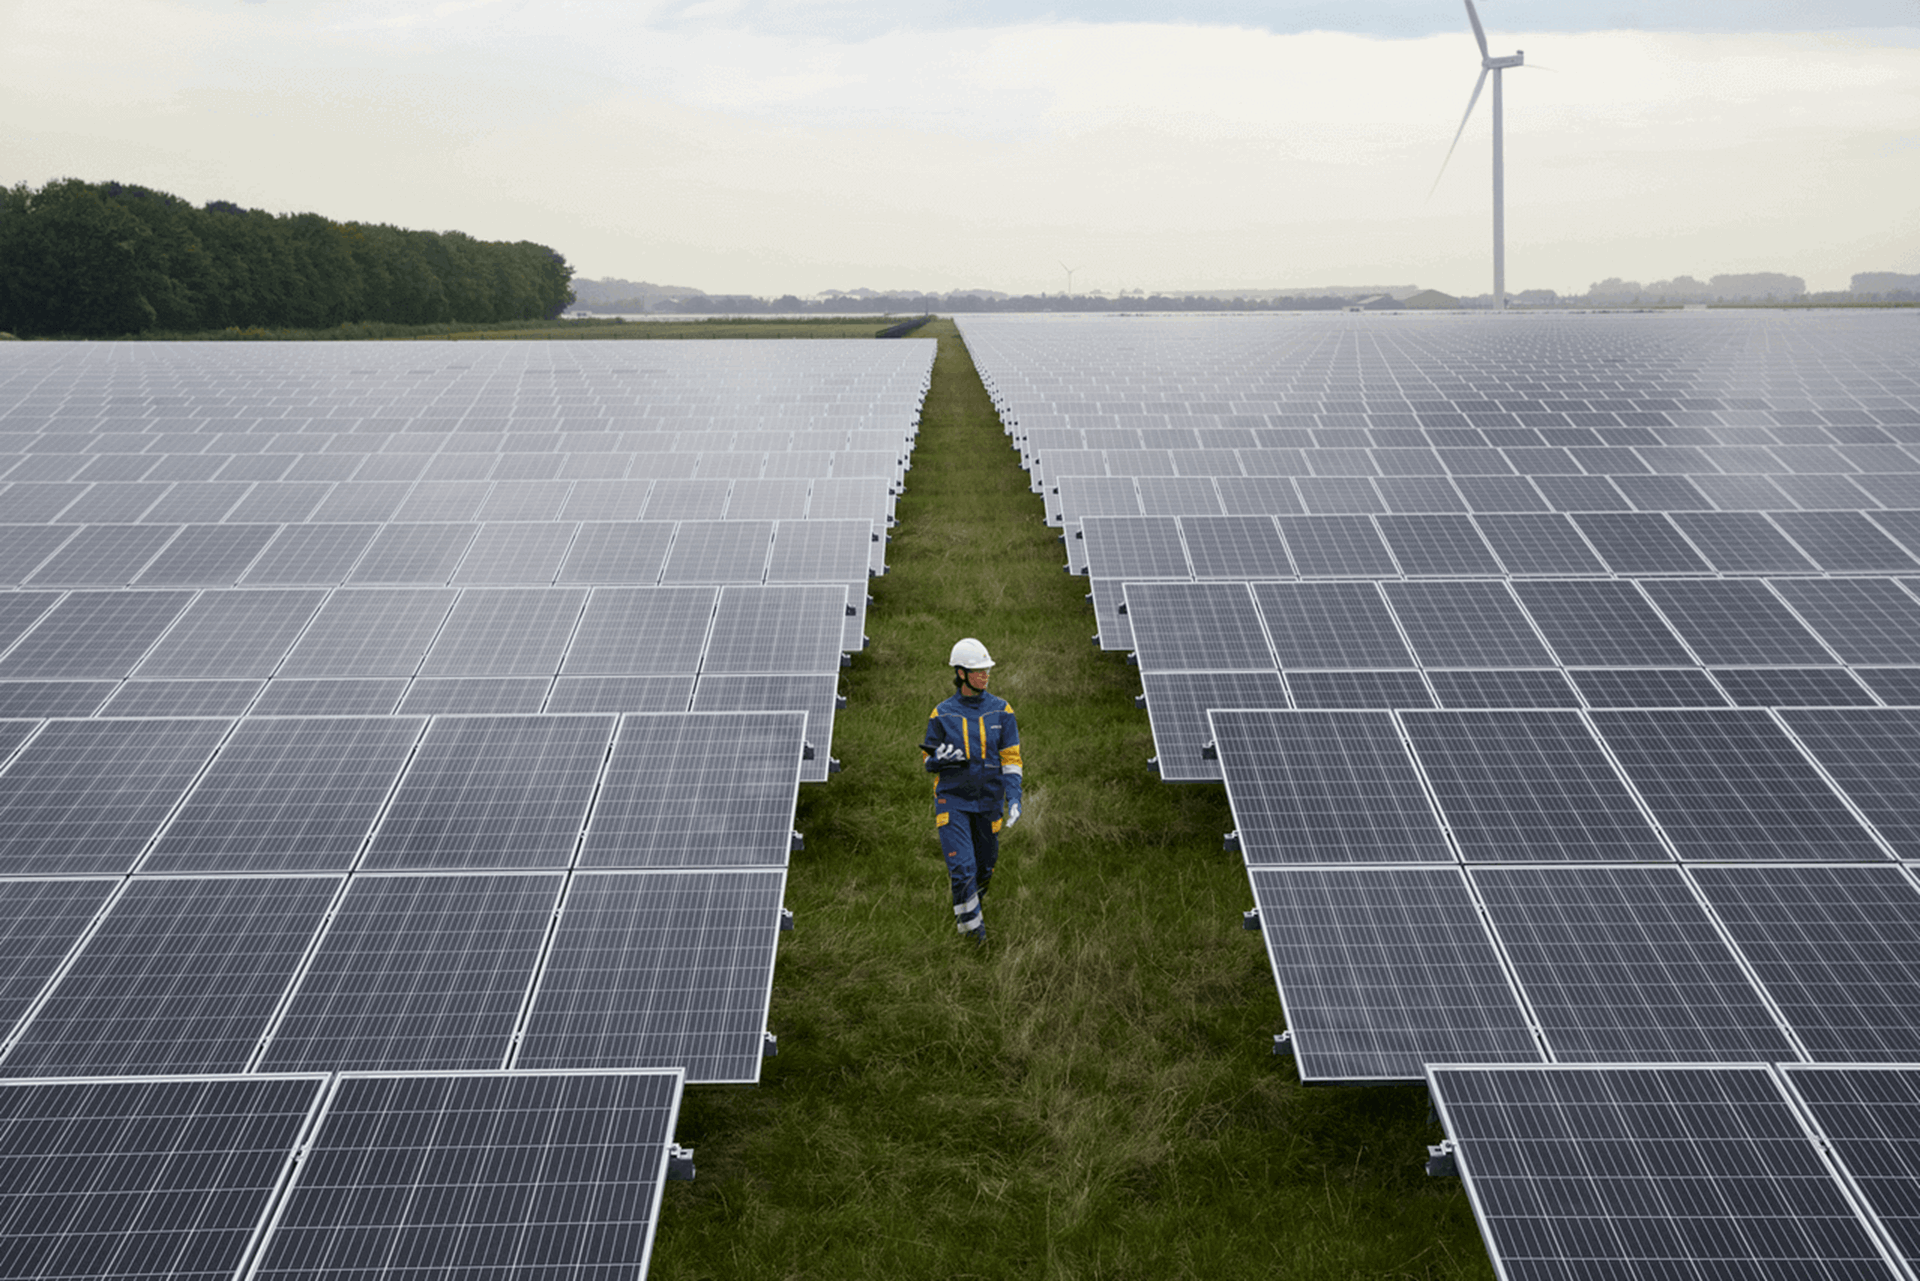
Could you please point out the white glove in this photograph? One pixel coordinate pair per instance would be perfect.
(948, 752)
(1013, 816)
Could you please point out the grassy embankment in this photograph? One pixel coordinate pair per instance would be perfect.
(595, 327)
(1092, 1096)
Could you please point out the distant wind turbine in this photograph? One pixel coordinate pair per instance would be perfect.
(1496, 65)
(1069, 271)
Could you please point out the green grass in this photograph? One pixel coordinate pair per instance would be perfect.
(1091, 1096)
(568, 330)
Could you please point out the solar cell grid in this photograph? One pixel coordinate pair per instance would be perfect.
(1601, 624)
(1791, 687)
(235, 634)
(1358, 690)
(1331, 625)
(777, 629)
(1324, 787)
(1133, 547)
(1644, 687)
(417, 973)
(505, 631)
(1870, 1117)
(1736, 622)
(1177, 702)
(1844, 542)
(560, 1173)
(182, 975)
(1235, 547)
(1743, 543)
(1437, 546)
(103, 556)
(1336, 547)
(1640, 543)
(368, 632)
(1465, 624)
(1528, 786)
(93, 635)
(1623, 965)
(287, 795)
(1648, 1171)
(1196, 627)
(1383, 970)
(718, 551)
(138, 1179)
(1837, 948)
(1728, 785)
(659, 969)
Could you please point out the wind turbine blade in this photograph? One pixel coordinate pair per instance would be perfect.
(1478, 85)
(1479, 32)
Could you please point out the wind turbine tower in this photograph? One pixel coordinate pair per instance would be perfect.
(1491, 64)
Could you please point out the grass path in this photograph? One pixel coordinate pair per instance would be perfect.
(1089, 1098)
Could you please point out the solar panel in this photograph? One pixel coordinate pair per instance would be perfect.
(417, 973)
(1601, 624)
(103, 556)
(145, 1178)
(231, 634)
(1844, 542)
(515, 552)
(1324, 787)
(1647, 1171)
(1382, 970)
(1502, 689)
(1331, 625)
(85, 797)
(595, 694)
(1864, 620)
(23, 548)
(1623, 965)
(330, 697)
(1640, 543)
(493, 792)
(41, 921)
(566, 1183)
(659, 969)
(1643, 687)
(413, 553)
(628, 552)
(1134, 547)
(310, 554)
(1528, 786)
(1336, 547)
(1736, 622)
(1837, 948)
(368, 632)
(1196, 627)
(1234, 547)
(287, 795)
(182, 975)
(1358, 690)
(1727, 785)
(1873, 754)
(1742, 543)
(704, 789)
(505, 631)
(1868, 1118)
(717, 551)
(1466, 624)
(1437, 546)
(820, 551)
(1538, 544)
(1177, 703)
(475, 696)
(784, 629)
(93, 635)
(1895, 686)
(225, 699)
(1791, 687)
(207, 556)
(642, 631)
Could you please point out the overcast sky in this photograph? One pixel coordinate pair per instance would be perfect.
(771, 146)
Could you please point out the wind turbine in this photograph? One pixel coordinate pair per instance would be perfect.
(1069, 271)
(1489, 63)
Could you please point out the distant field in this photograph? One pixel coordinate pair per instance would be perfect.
(1093, 1096)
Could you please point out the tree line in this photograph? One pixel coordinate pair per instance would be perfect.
(88, 259)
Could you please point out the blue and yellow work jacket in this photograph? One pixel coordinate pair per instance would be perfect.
(988, 773)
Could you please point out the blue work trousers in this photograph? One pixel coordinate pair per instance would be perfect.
(971, 843)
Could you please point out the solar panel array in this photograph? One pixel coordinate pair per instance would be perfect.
(1561, 674)
(436, 710)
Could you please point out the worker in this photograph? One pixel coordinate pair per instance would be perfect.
(973, 747)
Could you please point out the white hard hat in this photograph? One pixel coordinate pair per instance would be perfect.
(970, 654)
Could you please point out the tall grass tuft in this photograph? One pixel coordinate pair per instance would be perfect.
(1090, 1096)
